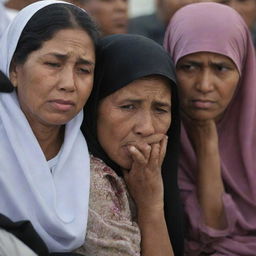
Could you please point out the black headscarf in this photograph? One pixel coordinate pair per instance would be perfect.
(121, 59)
(5, 84)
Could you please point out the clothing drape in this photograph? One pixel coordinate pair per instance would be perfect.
(217, 28)
(56, 204)
(122, 59)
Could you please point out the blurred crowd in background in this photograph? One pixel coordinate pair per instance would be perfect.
(144, 17)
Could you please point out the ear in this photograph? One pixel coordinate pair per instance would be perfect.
(14, 70)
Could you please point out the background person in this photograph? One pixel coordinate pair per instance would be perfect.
(111, 15)
(154, 25)
(132, 106)
(247, 9)
(49, 55)
(215, 65)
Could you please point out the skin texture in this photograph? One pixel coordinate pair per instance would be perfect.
(246, 8)
(54, 83)
(207, 84)
(132, 123)
(132, 114)
(110, 15)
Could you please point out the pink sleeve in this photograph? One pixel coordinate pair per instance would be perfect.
(200, 235)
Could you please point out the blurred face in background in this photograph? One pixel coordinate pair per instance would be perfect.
(246, 8)
(18, 4)
(166, 8)
(110, 15)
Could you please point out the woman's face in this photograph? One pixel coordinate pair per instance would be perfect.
(132, 114)
(207, 82)
(55, 81)
(110, 15)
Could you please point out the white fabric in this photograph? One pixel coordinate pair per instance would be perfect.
(12, 246)
(57, 205)
(52, 163)
(4, 20)
(11, 13)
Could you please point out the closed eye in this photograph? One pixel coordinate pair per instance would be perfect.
(53, 64)
(84, 70)
(128, 107)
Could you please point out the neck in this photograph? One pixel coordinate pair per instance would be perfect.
(50, 139)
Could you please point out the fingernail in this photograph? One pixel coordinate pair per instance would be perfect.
(132, 148)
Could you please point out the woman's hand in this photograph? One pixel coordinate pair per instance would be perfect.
(144, 179)
(204, 138)
(203, 135)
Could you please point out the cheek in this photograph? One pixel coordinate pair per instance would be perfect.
(84, 92)
(163, 125)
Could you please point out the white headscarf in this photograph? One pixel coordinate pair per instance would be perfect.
(4, 20)
(56, 204)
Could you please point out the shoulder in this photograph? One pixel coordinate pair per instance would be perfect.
(100, 169)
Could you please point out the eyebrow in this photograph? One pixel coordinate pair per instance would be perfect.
(198, 63)
(65, 56)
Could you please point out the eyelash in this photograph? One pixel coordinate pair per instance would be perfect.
(127, 107)
(131, 107)
(83, 70)
(52, 64)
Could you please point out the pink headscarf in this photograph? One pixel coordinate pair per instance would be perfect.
(217, 28)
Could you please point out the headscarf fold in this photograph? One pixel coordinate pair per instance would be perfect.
(217, 28)
(56, 204)
(122, 59)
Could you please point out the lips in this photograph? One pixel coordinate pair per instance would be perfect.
(202, 104)
(62, 105)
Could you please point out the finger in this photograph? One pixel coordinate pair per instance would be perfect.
(137, 156)
(154, 156)
(143, 148)
(163, 147)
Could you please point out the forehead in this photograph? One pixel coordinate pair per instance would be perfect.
(206, 56)
(153, 87)
(76, 41)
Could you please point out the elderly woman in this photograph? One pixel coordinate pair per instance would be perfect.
(216, 70)
(132, 110)
(48, 54)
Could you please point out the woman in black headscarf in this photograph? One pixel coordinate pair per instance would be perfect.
(132, 108)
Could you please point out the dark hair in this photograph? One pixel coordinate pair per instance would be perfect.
(46, 22)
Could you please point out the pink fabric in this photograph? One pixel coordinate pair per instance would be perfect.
(217, 28)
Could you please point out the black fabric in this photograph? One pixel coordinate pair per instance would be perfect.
(122, 59)
(148, 25)
(5, 84)
(25, 232)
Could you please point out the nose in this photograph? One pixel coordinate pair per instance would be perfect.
(67, 80)
(205, 81)
(144, 124)
(122, 5)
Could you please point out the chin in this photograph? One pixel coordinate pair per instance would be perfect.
(125, 163)
(202, 116)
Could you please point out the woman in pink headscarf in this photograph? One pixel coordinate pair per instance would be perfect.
(216, 70)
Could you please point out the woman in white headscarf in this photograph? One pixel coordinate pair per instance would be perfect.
(49, 55)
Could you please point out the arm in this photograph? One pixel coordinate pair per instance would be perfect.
(210, 188)
(145, 185)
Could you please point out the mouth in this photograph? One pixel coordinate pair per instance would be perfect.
(62, 105)
(203, 104)
(120, 22)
